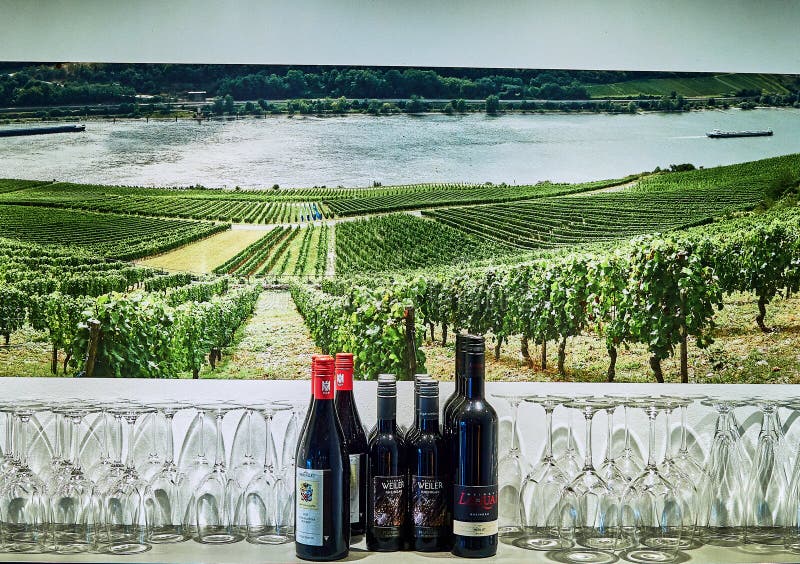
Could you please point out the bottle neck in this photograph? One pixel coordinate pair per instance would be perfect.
(427, 414)
(387, 414)
(474, 371)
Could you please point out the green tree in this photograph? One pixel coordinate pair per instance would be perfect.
(492, 104)
(228, 104)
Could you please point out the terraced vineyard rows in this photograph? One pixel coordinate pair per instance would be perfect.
(456, 195)
(401, 242)
(553, 222)
(235, 211)
(282, 251)
(118, 236)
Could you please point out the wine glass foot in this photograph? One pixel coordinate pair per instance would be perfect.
(543, 544)
(509, 531)
(220, 538)
(586, 556)
(269, 538)
(650, 555)
(168, 538)
(128, 548)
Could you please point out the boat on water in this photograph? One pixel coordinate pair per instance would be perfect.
(717, 133)
(18, 131)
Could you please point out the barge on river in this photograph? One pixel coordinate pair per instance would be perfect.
(725, 134)
(16, 132)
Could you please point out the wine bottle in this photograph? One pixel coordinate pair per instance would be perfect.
(455, 399)
(387, 477)
(314, 358)
(475, 524)
(418, 380)
(322, 476)
(356, 440)
(427, 455)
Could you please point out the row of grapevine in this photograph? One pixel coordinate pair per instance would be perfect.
(118, 236)
(552, 222)
(156, 340)
(481, 194)
(402, 242)
(655, 290)
(321, 260)
(201, 291)
(368, 322)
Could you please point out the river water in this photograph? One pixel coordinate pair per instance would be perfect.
(401, 149)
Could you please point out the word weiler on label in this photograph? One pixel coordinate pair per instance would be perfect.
(428, 502)
(389, 496)
(475, 503)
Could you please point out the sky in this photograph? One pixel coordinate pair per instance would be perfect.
(676, 35)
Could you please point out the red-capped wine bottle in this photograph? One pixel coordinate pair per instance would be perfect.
(427, 458)
(475, 524)
(356, 440)
(387, 476)
(322, 476)
(314, 358)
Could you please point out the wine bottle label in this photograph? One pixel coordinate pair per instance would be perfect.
(475, 510)
(323, 387)
(356, 464)
(309, 510)
(389, 498)
(428, 501)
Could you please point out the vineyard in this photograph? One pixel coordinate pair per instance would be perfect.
(173, 323)
(110, 235)
(402, 242)
(287, 250)
(646, 261)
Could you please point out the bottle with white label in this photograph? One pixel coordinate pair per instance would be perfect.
(387, 476)
(475, 524)
(426, 455)
(356, 441)
(322, 476)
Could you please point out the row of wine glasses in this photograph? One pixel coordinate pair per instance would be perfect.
(655, 507)
(78, 476)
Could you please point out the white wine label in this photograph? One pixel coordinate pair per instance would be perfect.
(309, 514)
(355, 486)
(475, 528)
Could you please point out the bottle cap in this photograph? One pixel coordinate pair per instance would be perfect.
(474, 344)
(323, 365)
(387, 386)
(344, 361)
(429, 389)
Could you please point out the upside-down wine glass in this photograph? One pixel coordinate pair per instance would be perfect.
(629, 463)
(541, 492)
(24, 506)
(168, 497)
(259, 502)
(512, 470)
(767, 487)
(124, 503)
(722, 507)
(652, 520)
(213, 503)
(683, 485)
(73, 518)
(589, 506)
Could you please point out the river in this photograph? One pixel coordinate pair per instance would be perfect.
(400, 149)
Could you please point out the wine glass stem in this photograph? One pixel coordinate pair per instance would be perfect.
(515, 412)
(9, 434)
(651, 447)
(219, 457)
(249, 453)
(129, 431)
(569, 430)
(74, 438)
(170, 454)
(268, 455)
(587, 464)
(667, 435)
(610, 438)
(118, 454)
(201, 414)
(548, 449)
(627, 430)
(154, 436)
(106, 454)
(684, 444)
(22, 440)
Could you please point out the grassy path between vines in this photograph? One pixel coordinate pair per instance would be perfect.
(273, 344)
